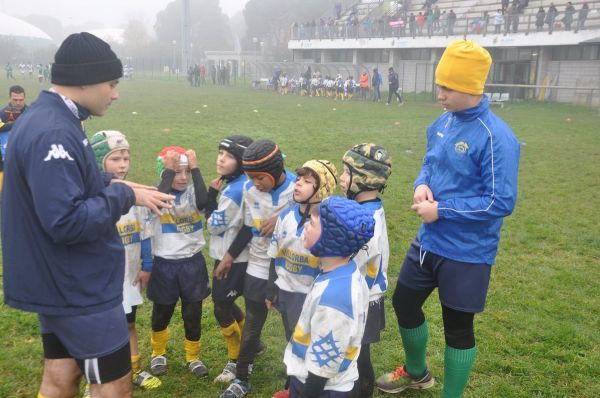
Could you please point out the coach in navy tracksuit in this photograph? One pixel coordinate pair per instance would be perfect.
(62, 254)
(467, 185)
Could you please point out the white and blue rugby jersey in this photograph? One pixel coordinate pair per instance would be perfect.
(227, 220)
(296, 267)
(373, 262)
(178, 231)
(133, 228)
(258, 207)
(328, 335)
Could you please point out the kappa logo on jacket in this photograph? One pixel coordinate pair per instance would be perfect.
(57, 152)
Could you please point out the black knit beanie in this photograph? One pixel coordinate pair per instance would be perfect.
(236, 145)
(84, 59)
(264, 157)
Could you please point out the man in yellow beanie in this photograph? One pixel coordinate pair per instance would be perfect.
(467, 185)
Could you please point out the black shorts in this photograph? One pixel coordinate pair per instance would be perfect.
(255, 289)
(99, 343)
(375, 322)
(173, 279)
(232, 287)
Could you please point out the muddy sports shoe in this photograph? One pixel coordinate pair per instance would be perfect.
(228, 373)
(158, 365)
(237, 389)
(198, 368)
(399, 380)
(145, 380)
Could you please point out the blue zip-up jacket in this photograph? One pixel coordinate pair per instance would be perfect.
(62, 254)
(471, 166)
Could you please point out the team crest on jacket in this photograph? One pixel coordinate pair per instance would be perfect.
(461, 147)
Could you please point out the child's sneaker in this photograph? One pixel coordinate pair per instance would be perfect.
(158, 365)
(146, 381)
(198, 368)
(281, 394)
(237, 389)
(228, 373)
(399, 380)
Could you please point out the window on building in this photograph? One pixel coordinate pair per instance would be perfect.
(342, 56)
(376, 56)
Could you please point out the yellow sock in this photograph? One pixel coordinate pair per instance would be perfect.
(192, 349)
(158, 341)
(233, 337)
(135, 363)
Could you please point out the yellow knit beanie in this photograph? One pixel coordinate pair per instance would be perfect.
(464, 67)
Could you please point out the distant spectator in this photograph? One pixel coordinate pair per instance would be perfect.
(429, 23)
(9, 115)
(375, 83)
(568, 18)
(551, 17)
(498, 21)
(505, 5)
(540, 16)
(363, 83)
(486, 23)
(338, 9)
(508, 17)
(393, 86)
(515, 19)
(412, 25)
(583, 13)
(9, 71)
(420, 22)
(451, 22)
(444, 22)
(436, 18)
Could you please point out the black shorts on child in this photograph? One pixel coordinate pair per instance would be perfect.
(186, 278)
(232, 287)
(255, 289)
(375, 322)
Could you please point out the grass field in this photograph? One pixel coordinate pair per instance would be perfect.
(540, 333)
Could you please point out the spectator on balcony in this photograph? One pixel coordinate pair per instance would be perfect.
(498, 21)
(540, 16)
(515, 19)
(451, 22)
(444, 23)
(551, 17)
(412, 25)
(485, 23)
(505, 5)
(436, 18)
(338, 9)
(508, 18)
(568, 18)
(583, 13)
(429, 23)
(420, 22)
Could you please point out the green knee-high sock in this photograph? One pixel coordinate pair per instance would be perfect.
(415, 347)
(457, 368)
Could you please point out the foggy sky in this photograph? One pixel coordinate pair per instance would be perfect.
(110, 13)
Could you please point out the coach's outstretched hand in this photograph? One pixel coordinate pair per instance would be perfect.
(148, 196)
